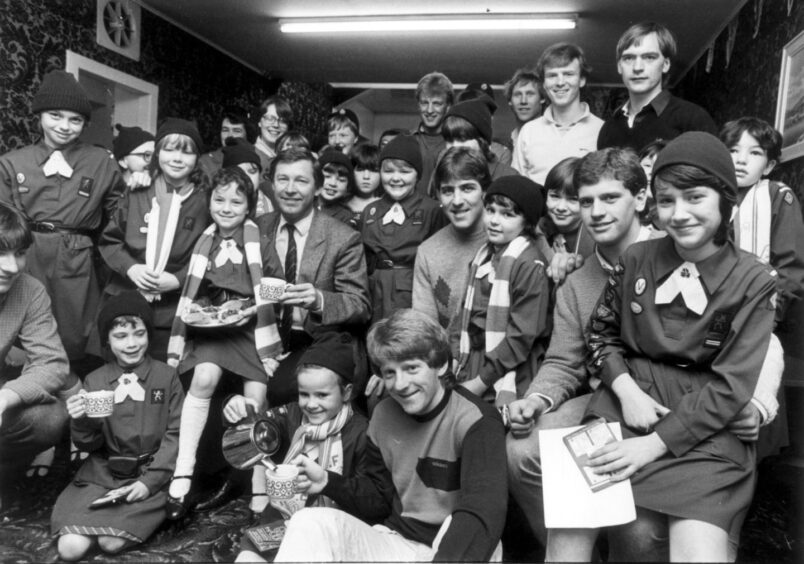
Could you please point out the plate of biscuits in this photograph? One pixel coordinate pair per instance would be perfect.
(209, 316)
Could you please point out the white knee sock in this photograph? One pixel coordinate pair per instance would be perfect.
(194, 415)
(258, 486)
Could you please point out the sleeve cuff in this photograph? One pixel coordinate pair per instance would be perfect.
(765, 415)
(550, 403)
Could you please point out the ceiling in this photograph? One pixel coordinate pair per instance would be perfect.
(248, 31)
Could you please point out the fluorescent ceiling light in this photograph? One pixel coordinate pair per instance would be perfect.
(479, 22)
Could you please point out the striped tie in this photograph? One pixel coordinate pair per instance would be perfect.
(290, 278)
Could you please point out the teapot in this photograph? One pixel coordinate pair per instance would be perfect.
(252, 441)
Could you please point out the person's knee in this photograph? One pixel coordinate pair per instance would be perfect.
(523, 454)
(205, 380)
(642, 540)
(112, 545)
(73, 547)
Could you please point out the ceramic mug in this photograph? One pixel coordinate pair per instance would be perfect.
(272, 288)
(99, 404)
(282, 481)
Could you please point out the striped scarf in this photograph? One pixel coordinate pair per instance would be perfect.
(497, 314)
(326, 435)
(266, 334)
(752, 221)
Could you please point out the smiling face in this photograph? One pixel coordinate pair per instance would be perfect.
(138, 159)
(462, 201)
(563, 84)
(691, 217)
(320, 395)
(503, 224)
(564, 210)
(342, 138)
(128, 342)
(295, 189)
(272, 126)
(233, 130)
(413, 384)
(432, 109)
(642, 67)
(526, 101)
(750, 161)
(398, 178)
(61, 127)
(177, 160)
(228, 208)
(336, 185)
(610, 213)
(12, 264)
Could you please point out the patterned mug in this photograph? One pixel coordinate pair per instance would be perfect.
(282, 481)
(99, 404)
(272, 288)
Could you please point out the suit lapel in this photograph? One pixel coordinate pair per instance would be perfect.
(313, 252)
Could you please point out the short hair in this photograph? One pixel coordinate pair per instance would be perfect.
(243, 184)
(365, 156)
(634, 34)
(337, 121)
(652, 149)
(504, 201)
(290, 156)
(283, 109)
(15, 233)
(462, 163)
(293, 138)
(765, 134)
(614, 163)
(342, 170)
(685, 176)
(183, 143)
(342, 382)
(457, 128)
(408, 335)
(435, 84)
(561, 55)
(560, 177)
(525, 74)
(237, 115)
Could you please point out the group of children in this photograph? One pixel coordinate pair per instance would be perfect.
(174, 237)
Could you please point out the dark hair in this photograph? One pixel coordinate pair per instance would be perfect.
(462, 163)
(615, 163)
(408, 335)
(504, 201)
(237, 115)
(179, 141)
(294, 138)
(684, 177)
(394, 131)
(126, 321)
(634, 34)
(342, 382)
(243, 184)
(525, 74)
(283, 109)
(765, 134)
(290, 156)
(560, 177)
(457, 129)
(561, 55)
(365, 156)
(652, 149)
(342, 170)
(15, 233)
(435, 84)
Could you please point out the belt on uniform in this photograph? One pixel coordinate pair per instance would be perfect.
(128, 466)
(384, 264)
(48, 227)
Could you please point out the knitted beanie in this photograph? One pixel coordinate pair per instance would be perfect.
(240, 151)
(129, 302)
(477, 112)
(348, 114)
(405, 148)
(182, 127)
(335, 156)
(524, 192)
(128, 139)
(332, 350)
(60, 91)
(702, 150)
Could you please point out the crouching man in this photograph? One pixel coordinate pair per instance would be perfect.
(437, 478)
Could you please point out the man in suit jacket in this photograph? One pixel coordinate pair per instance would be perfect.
(328, 284)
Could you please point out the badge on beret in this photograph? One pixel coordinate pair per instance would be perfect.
(20, 177)
(639, 286)
(636, 308)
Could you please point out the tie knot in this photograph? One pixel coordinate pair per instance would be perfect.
(290, 228)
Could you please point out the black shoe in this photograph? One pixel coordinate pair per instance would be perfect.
(228, 491)
(177, 507)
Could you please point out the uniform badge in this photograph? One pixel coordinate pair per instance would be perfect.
(20, 178)
(144, 229)
(636, 308)
(418, 217)
(788, 198)
(147, 217)
(639, 286)
(23, 189)
(372, 211)
(718, 329)
(158, 395)
(85, 187)
(618, 268)
(188, 223)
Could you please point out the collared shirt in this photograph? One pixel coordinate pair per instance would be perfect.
(302, 229)
(665, 117)
(543, 142)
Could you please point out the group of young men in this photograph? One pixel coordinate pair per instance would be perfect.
(448, 498)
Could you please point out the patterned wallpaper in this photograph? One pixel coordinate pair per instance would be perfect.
(34, 35)
(749, 86)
